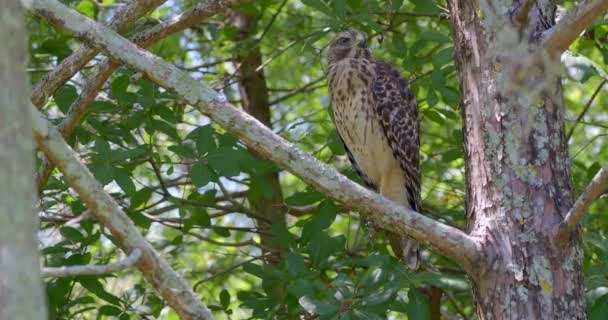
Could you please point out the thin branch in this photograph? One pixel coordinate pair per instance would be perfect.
(123, 19)
(93, 269)
(155, 269)
(557, 39)
(105, 69)
(586, 108)
(389, 215)
(575, 215)
(225, 271)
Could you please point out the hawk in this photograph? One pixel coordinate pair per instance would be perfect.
(376, 115)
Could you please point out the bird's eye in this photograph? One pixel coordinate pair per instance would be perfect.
(343, 40)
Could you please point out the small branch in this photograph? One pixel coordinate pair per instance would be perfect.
(102, 206)
(122, 20)
(586, 108)
(93, 269)
(105, 69)
(557, 39)
(593, 191)
(388, 215)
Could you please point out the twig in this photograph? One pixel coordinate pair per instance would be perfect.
(557, 39)
(92, 269)
(593, 191)
(155, 269)
(105, 69)
(389, 215)
(225, 271)
(586, 108)
(123, 19)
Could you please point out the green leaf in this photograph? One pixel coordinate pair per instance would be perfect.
(593, 170)
(93, 285)
(580, 68)
(201, 175)
(65, 97)
(225, 160)
(443, 57)
(434, 116)
(182, 150)
(72, 234)
(319, 250)
(122, 178)
(599, 310)
(108, 310)
(418, 306)
(304, 198)
(325, 215)
(434, 36)
(204, 137)
(120, 84)
(319, 6)
(103, 172)
(87, 8)
(225, 298)
(431, 98)
(335, 143)
(140, 197)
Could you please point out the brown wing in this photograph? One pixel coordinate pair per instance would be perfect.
(397, 108)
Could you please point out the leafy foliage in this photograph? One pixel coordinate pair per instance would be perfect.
(192, 188)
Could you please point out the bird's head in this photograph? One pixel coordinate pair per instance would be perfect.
(348, 44)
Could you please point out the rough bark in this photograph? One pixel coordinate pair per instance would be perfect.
(255, 101)
(517, 166)
(21, 291)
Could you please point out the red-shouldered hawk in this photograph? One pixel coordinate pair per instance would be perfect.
(376, 115)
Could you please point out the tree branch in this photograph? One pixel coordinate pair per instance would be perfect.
(386, 214)
(155, 269)
(123, 19)
(585, 109)
(105, 69)
(557, 39)
(593, 191)
(93, 269)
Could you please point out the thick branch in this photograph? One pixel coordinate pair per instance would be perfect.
(386, 214)
(154, 268)
(105, 69)
(558, 39)
(123, 19)
(576, 213)
(92, 269)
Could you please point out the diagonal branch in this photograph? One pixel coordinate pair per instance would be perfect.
(105, 69)
(386, 214)
(559, 37)
(92, 269)
(155, 269)
(598, 184)
(123, 19)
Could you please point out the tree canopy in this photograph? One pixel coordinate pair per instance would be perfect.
(208, 204)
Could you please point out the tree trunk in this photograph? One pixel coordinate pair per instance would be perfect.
(21, 292)
(517, 165)
(265, 195)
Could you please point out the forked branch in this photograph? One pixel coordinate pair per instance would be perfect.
(558, 39)
(386, 214)
(102, 206)
(576, 213)
(92, 269)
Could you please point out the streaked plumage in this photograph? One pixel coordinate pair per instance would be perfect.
(376, 115)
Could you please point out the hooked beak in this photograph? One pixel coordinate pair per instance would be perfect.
(361, 41)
